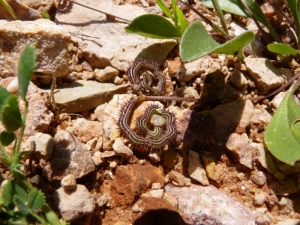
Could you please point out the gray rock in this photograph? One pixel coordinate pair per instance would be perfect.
(85, 95)
(121, 149)
(69, 182)
(43, 144)
(106, 75)
(259, 178)
(73, 204)
(69, 157)
(204, 65)
(240, 146)
(52, 45)
(196, 170)
(259, 198)
(207, 205)
(109, 44)
(265, 75)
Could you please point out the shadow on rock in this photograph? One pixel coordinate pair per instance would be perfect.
(160, 216)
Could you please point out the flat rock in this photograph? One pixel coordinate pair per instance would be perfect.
(75, 203)
(69, 157)
(207, 205)
(52, 45)
(133, 180)
(265, 75)
(108, 43)
(84, 95)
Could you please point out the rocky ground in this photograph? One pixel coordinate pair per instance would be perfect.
(217, 171)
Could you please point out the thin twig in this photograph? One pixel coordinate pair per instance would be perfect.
(259, 98)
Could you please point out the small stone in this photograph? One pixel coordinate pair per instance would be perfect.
(282, 202)
(118, 80)
(69, 182)
(259, 198)
(196, 170)
(106, 75)
(157, 120)
(190, 92)
(121, 149)
(73, 204)
(259, 178)
(97, 158)
(265, 75)
(178, 179)
(43, 143)
(154, 156)
(113, 164)
(156, 186)
(204, 65)
(156, 193)
(102, 200)
(240, 146)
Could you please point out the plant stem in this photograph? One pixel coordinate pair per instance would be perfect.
(220, 14)
(22, 129)
(214, 26)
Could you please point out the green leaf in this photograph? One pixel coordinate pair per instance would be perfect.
(11, 116)
(260, 16)
(8, 8)
(282, 49)
(35, 199)
(196, 42)
(23, 208)
(26, 67)
(294, 7)
(173, 2)
(6, 138)
(10, 189)
(153, 26)
(164, 8)
(181, 19)
(232, 46)
(4, 94)
(229, 6)
(282, 136)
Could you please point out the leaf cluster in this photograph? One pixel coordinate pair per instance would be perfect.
(20, 202)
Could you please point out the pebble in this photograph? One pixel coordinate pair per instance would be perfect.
(259, 198)
(258, 178)
(69, 182)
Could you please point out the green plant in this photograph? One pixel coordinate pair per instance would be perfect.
(195, 42)
(282, 135)
(7, 7)
(20, 202)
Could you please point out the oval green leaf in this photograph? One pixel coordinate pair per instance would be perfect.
(11, 116)
(4, 94)
(282, 49)
(35, 199)
(6, 138)
(196, 42)
(153, 26)
(282, 133)
(26, 67)
(228, 6)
